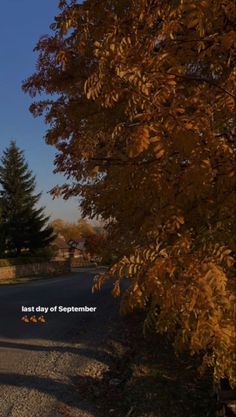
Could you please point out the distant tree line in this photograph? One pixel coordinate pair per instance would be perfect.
(96, 242)
(74, 230)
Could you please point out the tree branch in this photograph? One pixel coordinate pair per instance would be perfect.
(204, 80)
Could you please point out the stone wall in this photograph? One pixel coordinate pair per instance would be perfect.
(80, 263)
(36, 269)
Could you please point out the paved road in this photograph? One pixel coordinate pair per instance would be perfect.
(41, 363)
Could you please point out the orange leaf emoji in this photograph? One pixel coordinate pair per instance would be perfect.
(25, 319)
(33, 319)
(42, 319)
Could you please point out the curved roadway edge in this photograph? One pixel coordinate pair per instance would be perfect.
(41, 364)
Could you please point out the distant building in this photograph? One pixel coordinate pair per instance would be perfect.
(63, 248)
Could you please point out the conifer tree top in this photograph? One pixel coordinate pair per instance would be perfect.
(24, 223)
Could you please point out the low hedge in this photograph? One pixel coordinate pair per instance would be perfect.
(21, 261)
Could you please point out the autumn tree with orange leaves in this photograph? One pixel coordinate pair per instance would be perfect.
(143, 123)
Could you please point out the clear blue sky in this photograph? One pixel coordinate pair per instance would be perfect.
(22, 23)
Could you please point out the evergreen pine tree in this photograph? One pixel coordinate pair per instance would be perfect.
(23, 224)
(1, 232)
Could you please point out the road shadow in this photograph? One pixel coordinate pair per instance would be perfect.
(64, 393)
(144, 395)
(95, 353)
